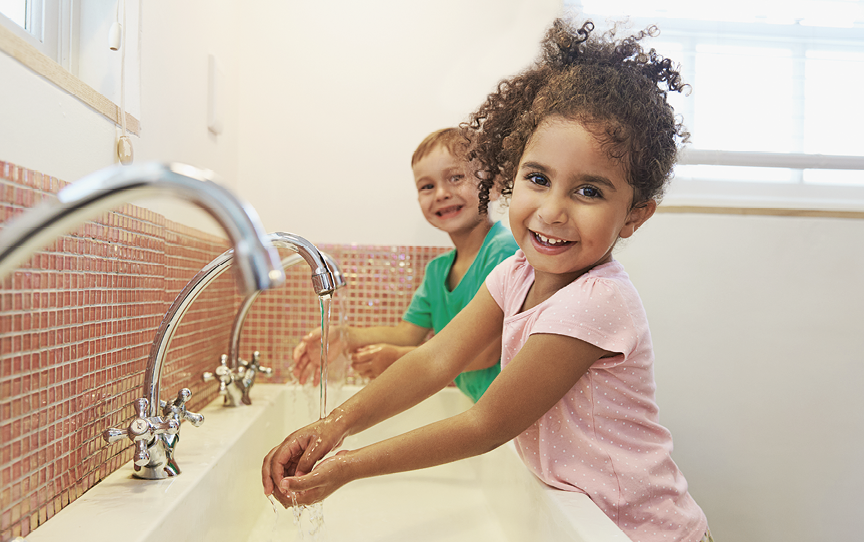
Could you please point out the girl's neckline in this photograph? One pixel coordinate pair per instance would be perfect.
(533, 278)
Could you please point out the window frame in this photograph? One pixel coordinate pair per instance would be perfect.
(54, 30)
(24, 48)
(795, 194)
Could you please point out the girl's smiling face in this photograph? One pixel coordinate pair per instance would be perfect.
(570, 201)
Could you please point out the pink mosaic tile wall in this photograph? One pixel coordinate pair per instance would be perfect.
(381, 281)
(78, 320)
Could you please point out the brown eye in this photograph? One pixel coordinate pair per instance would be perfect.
(538, 179)
(591, 192)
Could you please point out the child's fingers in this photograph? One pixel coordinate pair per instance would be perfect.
(328, 476)
(266, 480)
(299, 350)
(283, 498)
(283, 459)
(366, 353)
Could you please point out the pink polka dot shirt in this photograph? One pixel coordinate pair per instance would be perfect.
(603, 437)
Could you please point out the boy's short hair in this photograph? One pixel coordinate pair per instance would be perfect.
(452, 139)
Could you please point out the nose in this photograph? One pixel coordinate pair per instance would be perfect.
(442, 192)
(552, 210)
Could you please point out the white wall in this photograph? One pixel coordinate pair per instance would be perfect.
(335, 96)
(44, 128)
(756, 323)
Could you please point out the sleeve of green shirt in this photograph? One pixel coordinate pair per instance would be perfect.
(420, 311)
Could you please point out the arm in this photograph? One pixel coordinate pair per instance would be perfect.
(411, 379)
(540, 374)
(373, 359)
(307, 354)
(489, 357)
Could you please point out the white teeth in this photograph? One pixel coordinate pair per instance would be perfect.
(550, 240)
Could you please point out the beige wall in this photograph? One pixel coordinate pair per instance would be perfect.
(756, 320)
(756, 324)
(335, 96)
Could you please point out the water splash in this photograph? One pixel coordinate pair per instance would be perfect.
(314, 519)
(298, 511)
(274, 531)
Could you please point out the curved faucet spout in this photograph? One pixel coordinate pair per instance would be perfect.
(323, 281)
(243, 311)
(258, 265)
(258, 262)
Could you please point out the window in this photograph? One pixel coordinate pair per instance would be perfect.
(51, 27)
(33, 28)
(774, 112)
(16, 11)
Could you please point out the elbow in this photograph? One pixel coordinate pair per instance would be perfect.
(490, 431)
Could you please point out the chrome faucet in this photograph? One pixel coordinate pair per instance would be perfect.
(155, 437)
(234, 383)
(236, 375)
(107, 188)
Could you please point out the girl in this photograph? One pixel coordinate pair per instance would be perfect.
(583, 143)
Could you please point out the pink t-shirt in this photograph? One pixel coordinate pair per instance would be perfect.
(603, 438)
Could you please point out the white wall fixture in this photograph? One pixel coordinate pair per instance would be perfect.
(214, 95)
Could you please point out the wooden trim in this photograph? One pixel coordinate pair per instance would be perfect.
(760, 211)
(40, 63)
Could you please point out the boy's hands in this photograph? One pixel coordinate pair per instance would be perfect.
(371, 360)
(296, 456)
(307, 354)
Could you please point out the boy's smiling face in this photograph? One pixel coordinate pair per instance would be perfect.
(447, 191)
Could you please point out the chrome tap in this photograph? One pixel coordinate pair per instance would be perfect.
(232, 392)
(247, 371)
(107, 188)
(155, 437)
(235, 363)
(323, 282)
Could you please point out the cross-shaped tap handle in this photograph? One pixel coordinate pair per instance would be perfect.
(176, 409)
(141, 431)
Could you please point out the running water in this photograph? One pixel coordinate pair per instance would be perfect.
(315, 516)
(325, 301)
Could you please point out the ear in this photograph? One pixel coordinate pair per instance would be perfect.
(638, 215)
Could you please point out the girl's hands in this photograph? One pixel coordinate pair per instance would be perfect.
(325, 478)
(297, 455)
(371, 360)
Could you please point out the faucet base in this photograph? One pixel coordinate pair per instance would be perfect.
(162, 464)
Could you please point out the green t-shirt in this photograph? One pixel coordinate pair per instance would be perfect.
(433, 305)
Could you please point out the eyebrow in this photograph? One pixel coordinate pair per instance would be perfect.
(595, 179)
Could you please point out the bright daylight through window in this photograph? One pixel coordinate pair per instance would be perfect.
(49, 26)
(775, 108)
(16, 11)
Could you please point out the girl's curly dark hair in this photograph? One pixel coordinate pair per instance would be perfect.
(611, 87)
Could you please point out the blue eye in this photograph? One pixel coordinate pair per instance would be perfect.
(456, 179)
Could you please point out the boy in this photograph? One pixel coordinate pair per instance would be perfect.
(449, 199)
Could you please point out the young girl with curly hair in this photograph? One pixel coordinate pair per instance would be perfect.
(582, 143)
